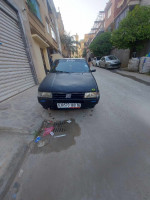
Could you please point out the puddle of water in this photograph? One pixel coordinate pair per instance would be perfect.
(56, 143)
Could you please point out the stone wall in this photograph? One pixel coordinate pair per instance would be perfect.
(123, 55)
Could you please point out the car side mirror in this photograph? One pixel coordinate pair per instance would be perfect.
(93, 70)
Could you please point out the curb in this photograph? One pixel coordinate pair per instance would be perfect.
(16, 162)
(13, 168)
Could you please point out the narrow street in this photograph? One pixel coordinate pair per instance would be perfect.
(106, 158)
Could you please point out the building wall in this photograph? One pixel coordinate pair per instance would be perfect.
(123, 55)
(33, 26)
(120, 5)
(120, 17)
(21, 8)
(40, 27)
(56, 56)
(108, 23)
(145, 2)
(61, 32)
(145, 50)
(38, 60)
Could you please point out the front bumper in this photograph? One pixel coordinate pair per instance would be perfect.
(52, 103)
(114, 66)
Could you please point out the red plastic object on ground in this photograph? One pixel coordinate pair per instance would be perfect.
(47, 131)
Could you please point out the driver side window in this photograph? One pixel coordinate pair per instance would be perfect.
(103, 59)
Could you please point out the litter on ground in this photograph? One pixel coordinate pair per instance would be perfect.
(52, 133)
(69, 121)
(58, 136)
(41, 144)
(47, 131)
(37, 139)
(20, 173)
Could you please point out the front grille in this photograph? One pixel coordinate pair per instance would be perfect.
(59, 96)
(63, 96)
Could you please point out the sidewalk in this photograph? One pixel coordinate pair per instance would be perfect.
(142, 78)
(20, 117)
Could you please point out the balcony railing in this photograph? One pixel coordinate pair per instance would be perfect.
(133, 2)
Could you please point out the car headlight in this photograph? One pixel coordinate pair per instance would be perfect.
(91, 94)
(45, 94)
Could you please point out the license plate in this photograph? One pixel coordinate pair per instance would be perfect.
(68, 105)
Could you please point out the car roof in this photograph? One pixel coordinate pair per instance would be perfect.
(71, 59)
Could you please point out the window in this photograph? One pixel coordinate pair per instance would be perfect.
(111, 58)
(109, 12)
(47, 27)
(70, 66)
(34, 8)
(53, 34)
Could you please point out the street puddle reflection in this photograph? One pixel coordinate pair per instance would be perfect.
(61, 138)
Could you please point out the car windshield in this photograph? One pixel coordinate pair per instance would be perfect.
(70, 66)
(111, 58)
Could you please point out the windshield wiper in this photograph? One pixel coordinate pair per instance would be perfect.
(62, 72)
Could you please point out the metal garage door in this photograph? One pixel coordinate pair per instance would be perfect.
(15, 71)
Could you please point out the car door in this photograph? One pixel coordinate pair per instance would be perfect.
(102, 62)
(94, 61)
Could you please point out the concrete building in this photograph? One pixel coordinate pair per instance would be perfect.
(81, 48)
(88, 38)
(77, 46)
(29, 36)
(61, 33)
(121, 8)
(109, 15)
(98, 26)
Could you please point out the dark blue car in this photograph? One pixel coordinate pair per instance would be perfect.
(70, 84)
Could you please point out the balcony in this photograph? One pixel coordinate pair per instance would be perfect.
(133, 2)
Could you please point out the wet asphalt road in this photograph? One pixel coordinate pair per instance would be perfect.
(105, 157)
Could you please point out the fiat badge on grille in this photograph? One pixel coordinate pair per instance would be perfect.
(68, 96)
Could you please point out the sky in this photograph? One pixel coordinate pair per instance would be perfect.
(79, 15)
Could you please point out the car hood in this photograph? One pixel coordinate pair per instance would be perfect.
(68, 82)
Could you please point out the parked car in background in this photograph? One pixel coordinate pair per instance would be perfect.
(70, 84)
(95, 61)
(109, 62)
